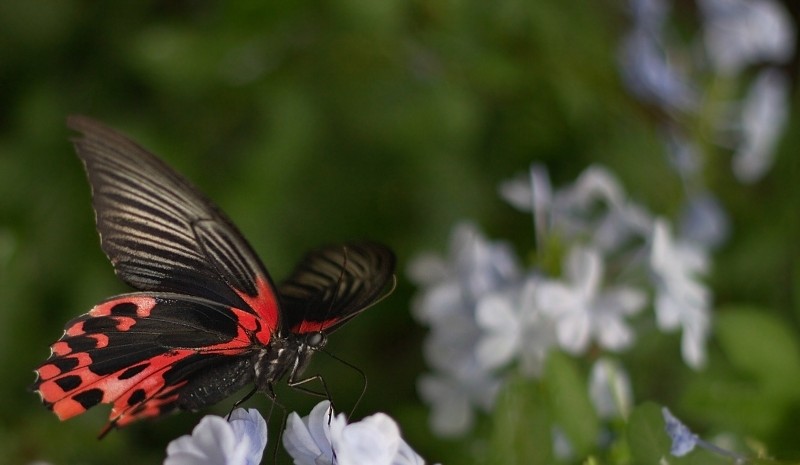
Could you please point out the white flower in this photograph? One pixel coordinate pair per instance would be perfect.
(498, 315)
(593, 207)
(453, 396)
(513, 326)
(533, 193)
(739, 33)
(215, 441)
(681, 299)
(610, 389)
(582, 311)
(323, 439)
(451, 290)
(764, 114)
(474, 267)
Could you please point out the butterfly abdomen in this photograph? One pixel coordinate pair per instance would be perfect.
(215, 383)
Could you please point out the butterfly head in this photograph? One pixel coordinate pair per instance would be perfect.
(288, 355)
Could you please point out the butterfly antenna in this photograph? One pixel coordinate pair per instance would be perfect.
(357, 370)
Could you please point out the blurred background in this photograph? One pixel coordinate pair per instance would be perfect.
(316, 122)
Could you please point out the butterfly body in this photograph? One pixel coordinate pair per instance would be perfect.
(207, 319)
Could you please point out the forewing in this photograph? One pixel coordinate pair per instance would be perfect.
(161, 233)
(335, 283)
(139, 351)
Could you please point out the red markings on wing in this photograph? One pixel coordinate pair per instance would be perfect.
(51, 370)
(109, 389)
(142, 388)
(142, 305)
(60, 348)
(265, 305)
(314, 326)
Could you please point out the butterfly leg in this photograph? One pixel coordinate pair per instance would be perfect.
(241, 401)
(298, 385)
(270, 392)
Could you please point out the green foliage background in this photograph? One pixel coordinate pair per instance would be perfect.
(318, 121)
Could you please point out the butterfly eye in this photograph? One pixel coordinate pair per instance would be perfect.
(316, 340)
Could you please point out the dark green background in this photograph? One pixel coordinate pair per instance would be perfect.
(318, 121)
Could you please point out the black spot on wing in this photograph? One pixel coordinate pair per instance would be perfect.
(136, 397)
(81, 343)
(100, 324)
(90, 398)
(65, 364)
(124, 309)
(69, 382)
(133, 371)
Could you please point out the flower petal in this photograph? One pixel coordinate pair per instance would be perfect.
(374, 440)
(212, 442)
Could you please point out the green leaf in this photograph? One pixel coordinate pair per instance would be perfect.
(521, 426)
(760, 345)
(573, 412)
(646, 434)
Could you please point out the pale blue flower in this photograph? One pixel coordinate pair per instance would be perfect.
(594, 208)
(682, 300)
(682, 153)
(610, 389)
(453, 397)
(531, 192)
(683, 440)
(740, 33)
(655, 73)
(583, 310)
(704, 221)
(322, 438)
(649, 14)
(765, 111)
(514, 328)
(474, 267)
(451, 288)
(563, 450)
(215, 441)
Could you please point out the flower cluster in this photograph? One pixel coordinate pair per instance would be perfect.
(321, 438)
(487, 312)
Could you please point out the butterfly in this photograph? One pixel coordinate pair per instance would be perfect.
(207, 319)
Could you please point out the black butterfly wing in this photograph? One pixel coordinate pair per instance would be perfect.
(161, 233)
(333, 284)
